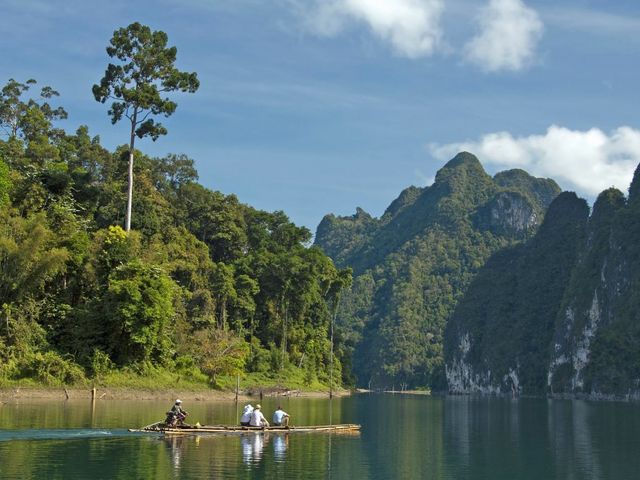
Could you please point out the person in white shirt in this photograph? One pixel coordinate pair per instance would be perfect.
(280, 417)
(245, 419)
(257, 418)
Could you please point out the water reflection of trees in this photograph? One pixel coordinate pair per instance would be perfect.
(402, 435)
(125, 456)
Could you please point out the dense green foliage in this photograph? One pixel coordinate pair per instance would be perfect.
(414, 263)
(202, 286)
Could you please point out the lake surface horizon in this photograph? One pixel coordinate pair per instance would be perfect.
(403, 436)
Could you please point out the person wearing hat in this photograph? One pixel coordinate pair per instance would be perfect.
(177, 414)
(257, 418)
(177, 408)
(245, 419)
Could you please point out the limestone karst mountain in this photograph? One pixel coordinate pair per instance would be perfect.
(414, 263)
(559, 314)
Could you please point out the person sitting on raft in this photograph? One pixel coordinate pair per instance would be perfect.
(257, 418)
(280, 417)
(245, 419)
(176, 415)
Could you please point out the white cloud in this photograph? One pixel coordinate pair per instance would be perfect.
(509, 33)
(585, 161)
(411, 26)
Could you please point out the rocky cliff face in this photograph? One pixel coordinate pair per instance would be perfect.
(559, 314)
(596, 343)
(497, 339)
(510, 214)
(587, 298)
(413, 264)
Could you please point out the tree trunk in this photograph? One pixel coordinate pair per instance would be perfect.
(223, 313)
(284, 332)
(6, 318)
(132, 140)
(331, 358)
(333, 320)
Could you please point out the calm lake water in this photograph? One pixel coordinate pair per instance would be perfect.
(402, 437)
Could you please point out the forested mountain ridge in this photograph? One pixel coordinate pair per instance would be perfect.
(413, 264)
(203, 286)
(560, 314)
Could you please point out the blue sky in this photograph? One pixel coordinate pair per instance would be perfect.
(319, 107)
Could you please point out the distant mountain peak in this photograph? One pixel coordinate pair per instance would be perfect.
(411, 265)
(464, 167)
(361, 213)
(607, 204)
(406, 198)
(463, 159)
(544, 190)
(564, 206)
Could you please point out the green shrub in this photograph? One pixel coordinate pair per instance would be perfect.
(259, 358)
(187, 368)
(51, 369)
(101, 363)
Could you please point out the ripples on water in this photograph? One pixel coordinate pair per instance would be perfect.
(402, 437)
(57, 434)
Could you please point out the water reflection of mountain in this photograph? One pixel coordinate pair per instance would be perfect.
(537, 438)
(570, 438)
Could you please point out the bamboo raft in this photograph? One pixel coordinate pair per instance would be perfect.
(160, 427)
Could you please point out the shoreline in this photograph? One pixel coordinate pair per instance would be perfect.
(123, 393)
(37, 393)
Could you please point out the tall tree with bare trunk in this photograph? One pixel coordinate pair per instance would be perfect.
(144, 73)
